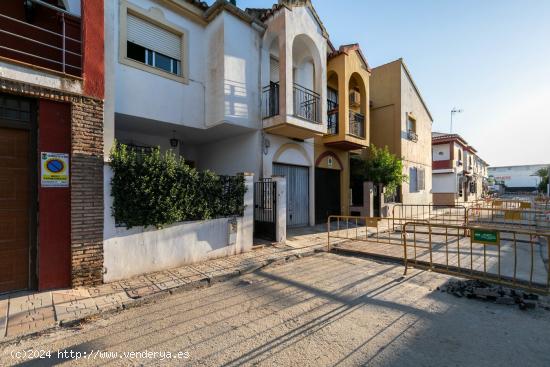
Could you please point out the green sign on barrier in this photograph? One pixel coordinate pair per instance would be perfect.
(486, 236)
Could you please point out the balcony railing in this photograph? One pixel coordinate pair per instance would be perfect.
(332, 117)
(357, 124)
(412, 136)
(307, 104)
(270, 100)
(53, 41)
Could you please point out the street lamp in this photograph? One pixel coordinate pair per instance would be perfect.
(453, 111)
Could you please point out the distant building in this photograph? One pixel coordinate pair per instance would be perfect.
(459, 174)
(517, 178)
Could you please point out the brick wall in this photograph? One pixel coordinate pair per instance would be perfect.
(87, 191)
(86, 178)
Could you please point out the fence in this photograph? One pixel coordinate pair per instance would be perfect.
(509, 257)
(536, 220)
(442, 214)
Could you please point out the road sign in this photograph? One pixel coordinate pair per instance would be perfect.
(485, 236)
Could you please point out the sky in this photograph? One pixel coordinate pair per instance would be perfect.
(490, 58)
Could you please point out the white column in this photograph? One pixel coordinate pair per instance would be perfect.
(280, 204)
(247, 227)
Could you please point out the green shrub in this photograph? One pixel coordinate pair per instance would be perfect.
(156, 189)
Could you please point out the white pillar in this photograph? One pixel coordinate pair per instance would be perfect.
(280, 204)
(247, 230)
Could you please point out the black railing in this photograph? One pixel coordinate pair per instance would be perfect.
(332, 117)
(270, 100)
(357, 124)
(412, 136)
(307, 104)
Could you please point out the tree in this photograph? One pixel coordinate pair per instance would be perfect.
(543, 174)
(381, 167)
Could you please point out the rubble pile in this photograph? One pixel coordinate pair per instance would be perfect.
(494, 293)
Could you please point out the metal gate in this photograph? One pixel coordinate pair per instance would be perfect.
(265, 209)
(297, 188)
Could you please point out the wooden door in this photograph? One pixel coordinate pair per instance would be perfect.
(14, 209)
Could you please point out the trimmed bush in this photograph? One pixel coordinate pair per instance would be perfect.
(156, 189)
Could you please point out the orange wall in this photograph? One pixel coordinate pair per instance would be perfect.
(94, 52)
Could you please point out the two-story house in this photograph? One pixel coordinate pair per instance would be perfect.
(51, 143)
(459, 174)
(401, 121)
(347, 129)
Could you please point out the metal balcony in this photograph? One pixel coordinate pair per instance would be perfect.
(45, 36)
(270, 100)
(357, 124)
(332, 117)
(307, 104)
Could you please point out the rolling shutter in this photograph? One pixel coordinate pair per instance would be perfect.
(153, 37)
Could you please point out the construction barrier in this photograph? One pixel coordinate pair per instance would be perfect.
(508, 257)
(535, 220)
(443, 214)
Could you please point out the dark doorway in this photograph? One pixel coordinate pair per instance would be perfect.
(327, 194)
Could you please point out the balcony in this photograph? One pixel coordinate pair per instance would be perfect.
(305, 120)
(332, 117)
(412, 136)
(41, 35)
(307, 104)
(357, 124)
(270, 100)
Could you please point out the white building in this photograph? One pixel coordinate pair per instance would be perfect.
(517, 178)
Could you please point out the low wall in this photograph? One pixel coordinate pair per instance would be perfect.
(130, 252)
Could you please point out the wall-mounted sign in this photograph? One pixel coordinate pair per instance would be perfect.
(485, 236)
(54, 169)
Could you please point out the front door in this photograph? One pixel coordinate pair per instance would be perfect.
(297, 189)
(14, 209)
(327, 194)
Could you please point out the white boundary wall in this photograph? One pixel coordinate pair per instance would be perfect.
(130, 252)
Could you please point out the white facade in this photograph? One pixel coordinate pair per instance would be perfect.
(518, 176)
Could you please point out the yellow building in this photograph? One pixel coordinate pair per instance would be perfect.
(347, 129)
(400, 120)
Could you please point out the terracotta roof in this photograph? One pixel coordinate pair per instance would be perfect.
(347, 49)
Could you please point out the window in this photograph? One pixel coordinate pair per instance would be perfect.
(148, 42)
(417, 179)
(411, 128)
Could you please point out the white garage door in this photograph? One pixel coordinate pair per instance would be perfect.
(297, 187)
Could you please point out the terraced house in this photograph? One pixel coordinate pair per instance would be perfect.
(276, 102)
(51, 145)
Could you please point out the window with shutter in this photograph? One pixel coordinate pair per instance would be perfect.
(413, 179)
(421, 179)
(148, 42)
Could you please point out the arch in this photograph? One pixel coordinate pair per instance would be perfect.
(292, 146)
(304, 54)
(357, 83)
(328, 153)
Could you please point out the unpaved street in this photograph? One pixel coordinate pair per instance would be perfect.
(320, 311)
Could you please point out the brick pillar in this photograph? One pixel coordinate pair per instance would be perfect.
(86, 191)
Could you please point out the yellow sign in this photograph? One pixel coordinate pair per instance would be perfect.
(525, 205)
(497, 203)
(371, 222)
(512, 215)
(54, 169)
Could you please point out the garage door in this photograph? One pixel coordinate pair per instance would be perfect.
(297, 198)
(327, 194)
(14, 209)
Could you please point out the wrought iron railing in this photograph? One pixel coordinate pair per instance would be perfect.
(412, 135)
(307, 104)
(270, 100)
(332, 117)
(57, 46)
(357, 124)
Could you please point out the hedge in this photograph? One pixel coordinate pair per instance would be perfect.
(156, 189)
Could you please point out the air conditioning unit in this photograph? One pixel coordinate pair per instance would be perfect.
(354, 98)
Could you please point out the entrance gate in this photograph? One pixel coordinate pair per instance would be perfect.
(265, 209)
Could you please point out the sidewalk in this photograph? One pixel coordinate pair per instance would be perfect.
(26, 313)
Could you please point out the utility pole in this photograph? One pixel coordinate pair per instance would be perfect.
(453, 111)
